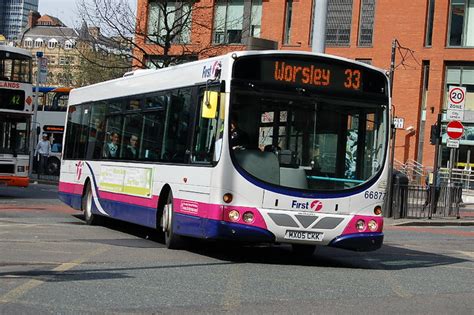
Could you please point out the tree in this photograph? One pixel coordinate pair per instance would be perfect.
(165, 32)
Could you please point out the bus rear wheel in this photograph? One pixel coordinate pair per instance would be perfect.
(90, 218)
(172, 240)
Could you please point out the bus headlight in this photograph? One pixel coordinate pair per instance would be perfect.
(234, 215)
(248, 217)
(20, 169)
(372, 225)
(360, 225)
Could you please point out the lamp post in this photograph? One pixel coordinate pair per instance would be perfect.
(39, 56)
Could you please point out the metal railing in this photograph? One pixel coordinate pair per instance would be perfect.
(414, 201)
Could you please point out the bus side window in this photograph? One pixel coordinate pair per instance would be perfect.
(177, 129)
(96, 131)
(209, 131)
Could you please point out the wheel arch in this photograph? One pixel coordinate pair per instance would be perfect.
(86, 182)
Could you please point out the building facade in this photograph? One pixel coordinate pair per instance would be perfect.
(14, 17)
(434, 49)
(73, 55)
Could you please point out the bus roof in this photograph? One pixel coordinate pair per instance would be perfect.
(16, 50)
(147, 81)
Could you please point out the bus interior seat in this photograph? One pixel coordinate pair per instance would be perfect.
(263, 165)
(293, 177)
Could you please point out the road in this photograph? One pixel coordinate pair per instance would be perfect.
(51, 262)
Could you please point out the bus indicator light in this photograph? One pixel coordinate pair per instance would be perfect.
(360, 225)
(227, 198)
(378, 210)
(248, 217)
(373, 226)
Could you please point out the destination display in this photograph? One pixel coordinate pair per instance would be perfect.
(12, 99)
(311, 72)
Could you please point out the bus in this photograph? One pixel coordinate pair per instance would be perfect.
(16, 107)
(50, 119)
(265, 147)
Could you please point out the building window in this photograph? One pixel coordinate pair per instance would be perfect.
(256, 18)
(339, 20)
(461, 30)
(461, 76)
(38, 43)
(69, 44)
(52, 43)
(288, 17)
(170, 19)
(366, 23)
(28, 43)
(235, 20)
(429, 23)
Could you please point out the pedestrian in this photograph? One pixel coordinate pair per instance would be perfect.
(42, 151)
(429, 191)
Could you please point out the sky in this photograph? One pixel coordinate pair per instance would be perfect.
(65, 10)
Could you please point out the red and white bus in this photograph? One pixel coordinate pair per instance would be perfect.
(16, 108)
(272, 147)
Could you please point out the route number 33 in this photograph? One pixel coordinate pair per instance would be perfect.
(352, 79)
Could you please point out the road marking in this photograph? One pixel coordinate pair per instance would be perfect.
(468, 254)
(31, 284)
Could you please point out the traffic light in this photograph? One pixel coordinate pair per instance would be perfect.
(434, 133)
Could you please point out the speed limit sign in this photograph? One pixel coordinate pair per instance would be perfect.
(457, 96)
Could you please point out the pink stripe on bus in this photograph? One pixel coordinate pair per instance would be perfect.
(217, 212)
(351, 226)
(70, 188)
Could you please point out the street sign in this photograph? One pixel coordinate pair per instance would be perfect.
(457, 96)
(450, 143)
(453, 114)
(43, 69)
(398, 122)
(456, 100)
(455, 129)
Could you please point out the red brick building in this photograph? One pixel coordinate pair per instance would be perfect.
(435, 49)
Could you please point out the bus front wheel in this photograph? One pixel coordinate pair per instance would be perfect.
(90, 218)
(172, 240)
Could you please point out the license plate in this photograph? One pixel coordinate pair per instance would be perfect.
(304, 235)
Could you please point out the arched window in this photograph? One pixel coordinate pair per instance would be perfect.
(39, 42)
(69, 44)
(28, 42)
(52, 43)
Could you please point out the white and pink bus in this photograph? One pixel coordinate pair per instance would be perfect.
(267, 147)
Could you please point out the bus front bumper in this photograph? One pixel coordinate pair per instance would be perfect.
(363, 242)
(14, 181)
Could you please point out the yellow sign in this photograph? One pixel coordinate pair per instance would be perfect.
(209, 104)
